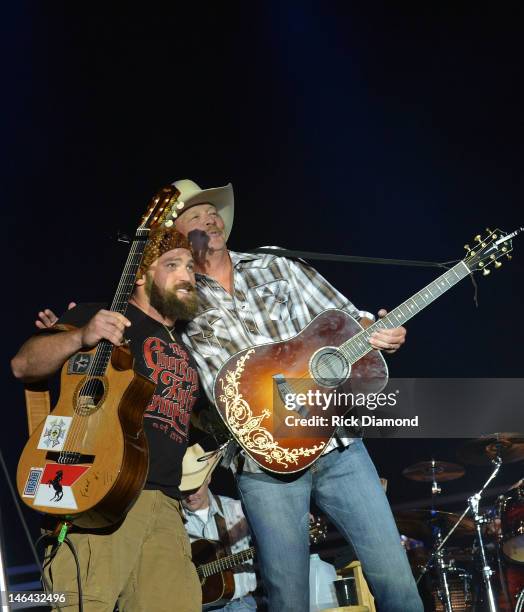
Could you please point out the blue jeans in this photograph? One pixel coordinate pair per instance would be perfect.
(345, 485)
(242, 604)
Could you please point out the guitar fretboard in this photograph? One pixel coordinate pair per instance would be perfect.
(224, 563)
(357, 346)
(121, 299)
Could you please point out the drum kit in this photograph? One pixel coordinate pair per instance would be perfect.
(473, 561)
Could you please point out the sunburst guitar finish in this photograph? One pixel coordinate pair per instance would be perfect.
(253, 387)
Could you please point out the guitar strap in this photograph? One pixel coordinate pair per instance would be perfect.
(349, 258)
(220, 521)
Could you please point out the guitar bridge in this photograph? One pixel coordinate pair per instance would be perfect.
(284, 389)
(69, 457)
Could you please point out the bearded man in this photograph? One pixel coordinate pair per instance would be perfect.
(144, 563)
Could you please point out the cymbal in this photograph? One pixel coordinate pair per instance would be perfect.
(441, 471)
(419, 524)
(508, 446)
(518, 485)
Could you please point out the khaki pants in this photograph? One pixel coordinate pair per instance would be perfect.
(144, 565)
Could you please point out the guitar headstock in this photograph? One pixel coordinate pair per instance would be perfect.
(487, 250)
(162, 210)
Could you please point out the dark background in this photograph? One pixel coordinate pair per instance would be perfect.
(354, 128)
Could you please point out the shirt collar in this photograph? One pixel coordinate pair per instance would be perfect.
(213, 508)
(236, 259)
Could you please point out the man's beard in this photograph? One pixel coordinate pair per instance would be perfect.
(169, 305)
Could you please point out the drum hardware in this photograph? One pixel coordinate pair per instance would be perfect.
(451, 587)
(442, 574)
(511, 510)
(428, 525)
(436, 558)
(498, 448)
(487, 572)
(458, 594)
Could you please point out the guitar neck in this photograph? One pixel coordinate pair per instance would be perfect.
(121, 298)
(357, 346)
(317, 533)
(225, 563)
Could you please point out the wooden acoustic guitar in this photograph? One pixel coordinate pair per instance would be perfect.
(214, 564)
(88, 460)
(272, 396)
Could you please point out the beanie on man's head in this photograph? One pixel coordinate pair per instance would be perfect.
(161, 240)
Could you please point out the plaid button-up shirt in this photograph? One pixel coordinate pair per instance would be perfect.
(273, 299)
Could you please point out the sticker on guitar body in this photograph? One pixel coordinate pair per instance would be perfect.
(32, 482)
(56, 485)
(54, 433)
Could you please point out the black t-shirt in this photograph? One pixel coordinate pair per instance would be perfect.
(169, 365)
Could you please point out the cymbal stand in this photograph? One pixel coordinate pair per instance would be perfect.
(473, 502)
(443, 593)
(435, 488)
(441, 567)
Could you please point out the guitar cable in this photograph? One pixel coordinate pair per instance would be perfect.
(33, 545)
(60, 539)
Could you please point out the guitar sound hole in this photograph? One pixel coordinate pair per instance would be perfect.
(90, 396)
(329, 367)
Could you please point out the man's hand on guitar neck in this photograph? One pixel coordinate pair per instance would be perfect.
(388, 340)
(105, 325)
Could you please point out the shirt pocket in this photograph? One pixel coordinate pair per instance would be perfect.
(208, 333)
(274, 296)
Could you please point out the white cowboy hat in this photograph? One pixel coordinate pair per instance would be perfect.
(197, 465)
(221, 197)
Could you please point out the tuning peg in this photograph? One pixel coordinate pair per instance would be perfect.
(477, 238)
(498, 264)
(510, 257)
(488, 230)
(467, 247)
(486, 272)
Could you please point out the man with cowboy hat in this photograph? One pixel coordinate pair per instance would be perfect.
(220, 519)
(251, 299)
(143, 563)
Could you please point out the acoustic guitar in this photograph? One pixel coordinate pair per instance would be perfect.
(88, 460)
(273, 397)
(214, 564)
